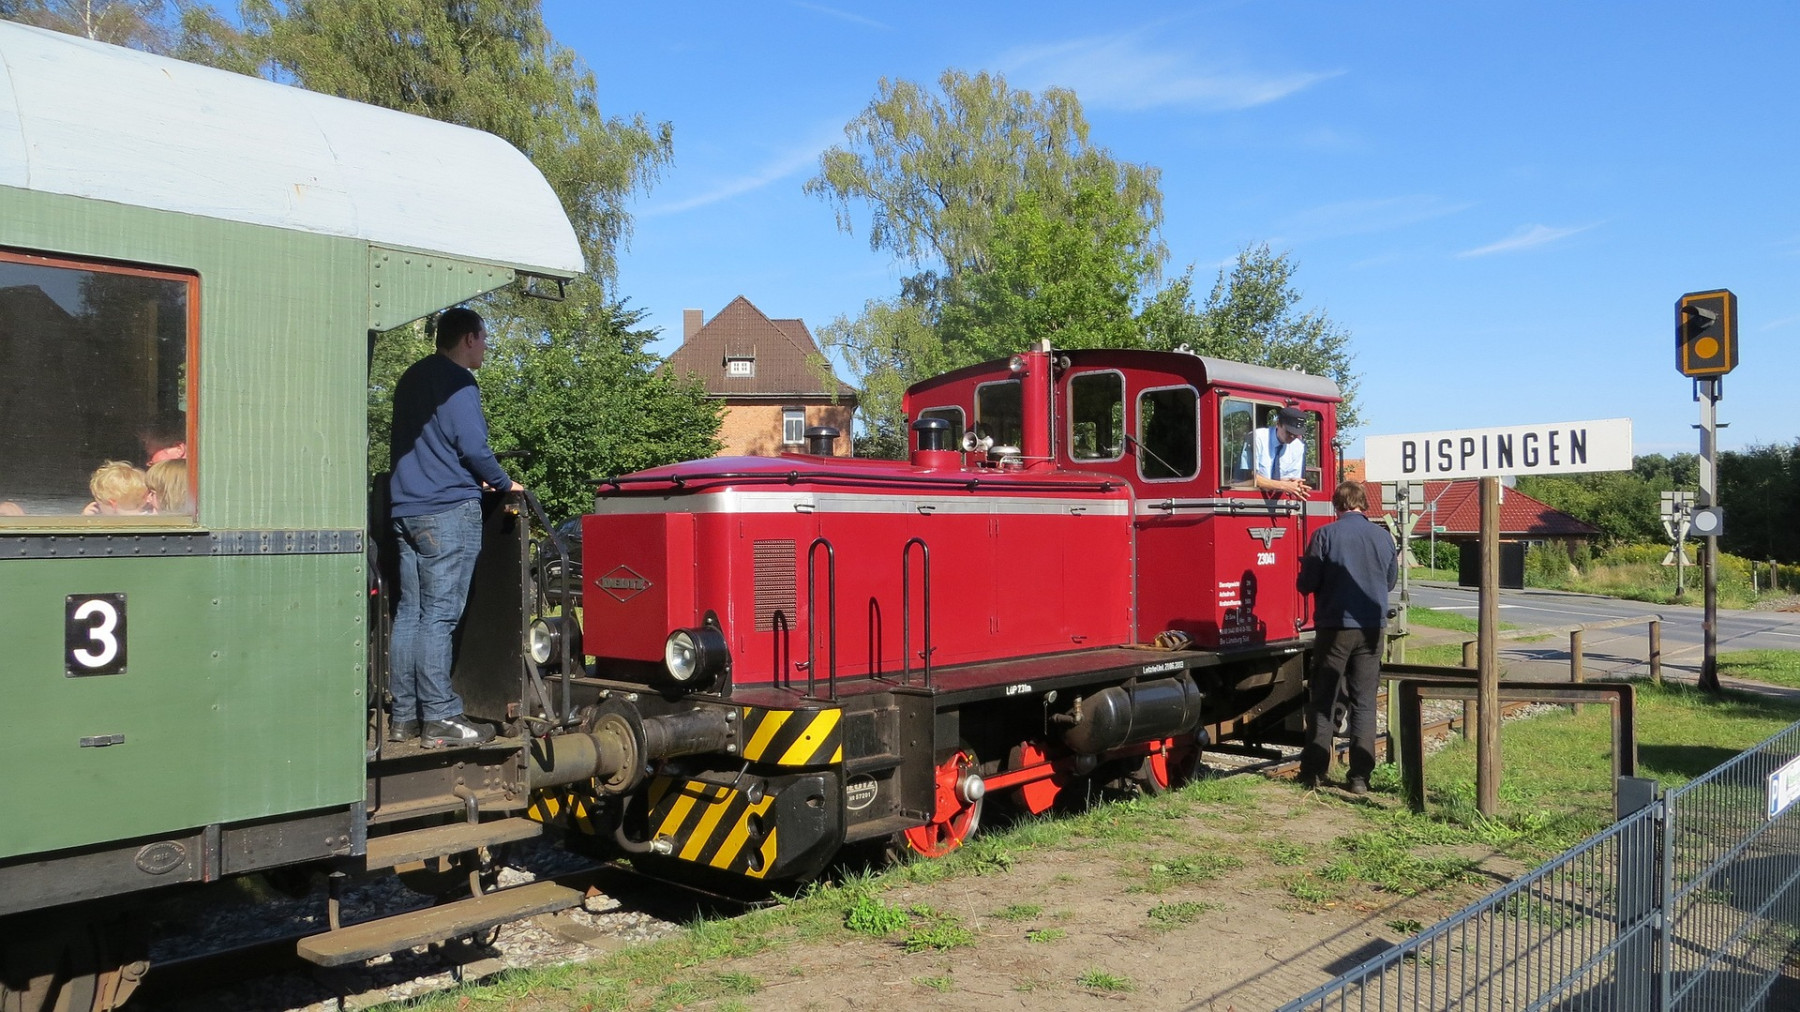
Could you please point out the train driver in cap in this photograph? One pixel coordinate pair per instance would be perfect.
(1281, 454)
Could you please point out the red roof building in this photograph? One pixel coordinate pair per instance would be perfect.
(771, 375)
(1455, 508)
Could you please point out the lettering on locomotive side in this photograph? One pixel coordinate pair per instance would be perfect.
(1157, 669)
(860, 792)
(622, 583)
(1018, 690)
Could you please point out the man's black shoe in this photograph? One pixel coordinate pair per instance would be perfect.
(1311, 781)
(403, 730)
(458, 730)
(1358, 786)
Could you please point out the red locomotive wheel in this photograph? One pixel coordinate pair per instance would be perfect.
(955, 818)
(1173, 763)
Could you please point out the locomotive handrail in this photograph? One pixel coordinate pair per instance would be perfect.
(906, 611)
(812, 615)
(972, 483)
(567, 708)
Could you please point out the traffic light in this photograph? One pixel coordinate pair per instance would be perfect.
(1706, 333)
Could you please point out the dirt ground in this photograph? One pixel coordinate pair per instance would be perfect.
(1096, 922)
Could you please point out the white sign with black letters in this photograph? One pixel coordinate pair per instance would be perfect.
(1550, 448)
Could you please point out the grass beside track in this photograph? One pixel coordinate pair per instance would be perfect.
(1555, 791)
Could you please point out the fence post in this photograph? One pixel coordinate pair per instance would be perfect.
(1576, 674)
(1637, 979)
(1655, 652)
(1468, 724)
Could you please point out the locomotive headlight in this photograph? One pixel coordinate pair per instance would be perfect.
(544, 642)
(695, 657)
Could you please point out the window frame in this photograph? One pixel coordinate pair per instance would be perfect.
(731, 367)
(190, 281)
(1124, 431)
(1137, 430)
(958, 426)
(1019, 388)
(788, 417)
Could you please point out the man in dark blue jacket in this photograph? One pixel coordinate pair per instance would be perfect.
(1349, 568)
(441, 461)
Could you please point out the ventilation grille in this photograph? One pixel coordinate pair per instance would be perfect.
(774, 583)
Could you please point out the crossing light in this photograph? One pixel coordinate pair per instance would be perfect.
(1706, 333)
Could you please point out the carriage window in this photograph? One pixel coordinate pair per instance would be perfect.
(954, 416)
(1242, 423)
(998, 413)
(1096, 416)
(94, 382)
(1168, 433)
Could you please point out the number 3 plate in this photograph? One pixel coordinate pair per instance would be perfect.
(94, 634)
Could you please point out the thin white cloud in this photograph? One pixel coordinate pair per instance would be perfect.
(799, 158)
(855, 19)
(1122, 72)
(1526, 237)
(1362, 217)
(1786, 321)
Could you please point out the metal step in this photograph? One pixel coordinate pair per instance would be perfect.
(359, 942)
(397, 849)
(884, 826)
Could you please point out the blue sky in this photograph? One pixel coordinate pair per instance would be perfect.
(1500, 202)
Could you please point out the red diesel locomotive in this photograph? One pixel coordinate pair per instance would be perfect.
(1072, 579)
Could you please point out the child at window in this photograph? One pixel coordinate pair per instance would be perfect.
(168, 481)
(118, 488)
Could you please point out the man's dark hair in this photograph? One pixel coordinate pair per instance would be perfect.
(1350, 496)
(163, 430)
(455, 324)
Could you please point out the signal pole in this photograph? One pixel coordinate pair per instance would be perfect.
(1706, 348)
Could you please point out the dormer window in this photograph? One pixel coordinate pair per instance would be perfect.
(740, 367)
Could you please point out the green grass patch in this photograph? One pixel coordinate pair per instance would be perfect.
(941, 983)
(1018, 912)
(1162, 875)
(1100, 980)
(1771, 667)
(941, 933)
(1173, 915)
(1036, 935)
(870, 916)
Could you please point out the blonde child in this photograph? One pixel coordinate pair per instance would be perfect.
(168, 481)
(118, 488)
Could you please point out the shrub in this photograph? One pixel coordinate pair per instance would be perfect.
(1547, 565)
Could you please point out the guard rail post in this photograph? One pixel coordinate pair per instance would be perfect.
(1576, 674)
(1468, 722)
(1655, 652)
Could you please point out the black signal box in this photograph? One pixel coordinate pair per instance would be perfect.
(1706, 333)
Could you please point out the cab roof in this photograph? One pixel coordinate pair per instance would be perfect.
(87, 119)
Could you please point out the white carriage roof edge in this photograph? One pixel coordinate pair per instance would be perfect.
(1226, 372)
(88, 119)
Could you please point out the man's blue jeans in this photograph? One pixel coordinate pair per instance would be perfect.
(437, 560)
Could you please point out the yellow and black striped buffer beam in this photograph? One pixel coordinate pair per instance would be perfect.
(560, 805)
(714, 825)
(793, 737)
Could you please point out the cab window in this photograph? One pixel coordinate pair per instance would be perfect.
(999, 413)
(1096, 416)
(1168, 433)
(95, 386)
(953, 415)
(1242, 423)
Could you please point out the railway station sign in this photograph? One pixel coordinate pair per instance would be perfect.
(1548, 448)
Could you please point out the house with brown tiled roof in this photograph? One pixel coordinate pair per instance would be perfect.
(1453, 508)
(774, 381)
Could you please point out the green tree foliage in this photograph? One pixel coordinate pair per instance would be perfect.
(1623, 504)
(150, 25)
(590, 402)
(1759, 488)
(1252, 315)
(1018, 228)
(492, 65)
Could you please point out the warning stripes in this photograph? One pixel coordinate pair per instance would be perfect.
(714, 825)
(793, 737)
(552, 802)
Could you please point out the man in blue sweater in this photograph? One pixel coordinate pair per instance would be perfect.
(1349, 568)
(441, 461)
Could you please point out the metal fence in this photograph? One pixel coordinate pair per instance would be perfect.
(1689, 904)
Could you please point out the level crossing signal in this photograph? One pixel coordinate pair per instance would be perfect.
(1706, 333)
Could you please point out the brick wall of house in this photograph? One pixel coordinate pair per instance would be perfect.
(755, 429)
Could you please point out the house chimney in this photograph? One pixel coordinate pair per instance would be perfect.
(691, 322)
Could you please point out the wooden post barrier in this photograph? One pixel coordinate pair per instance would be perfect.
(1576, 674)
(1655, 651)
(1468, 724)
